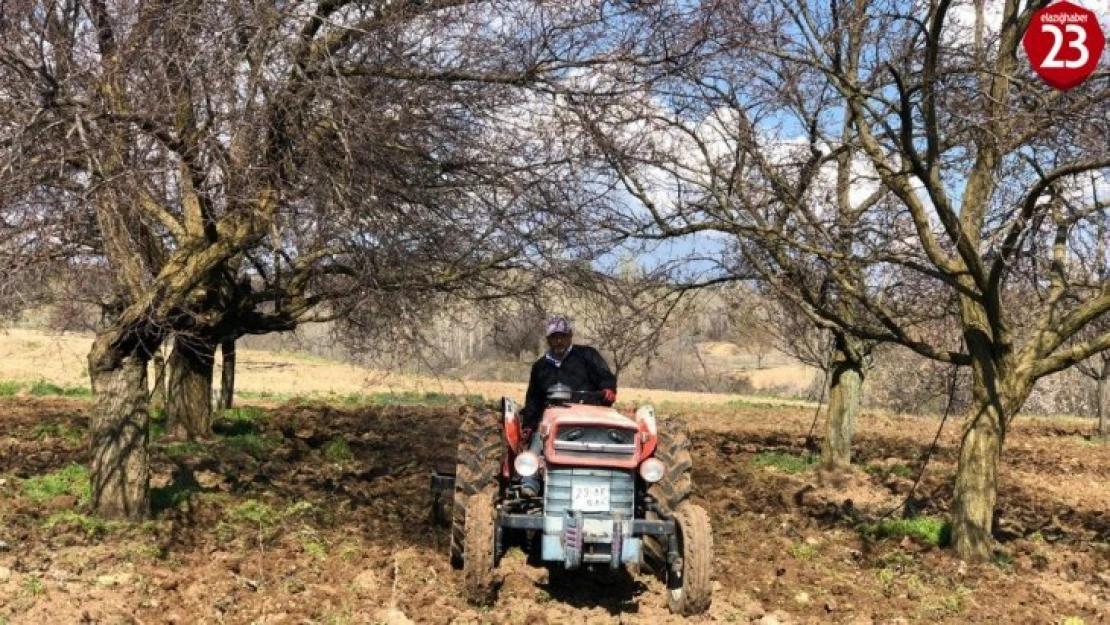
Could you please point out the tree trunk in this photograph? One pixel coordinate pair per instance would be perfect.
(158, 393)
(845, 385)
(227, 376)
(120, 473)
(998, 392)
(189, 406)
(977, 482)
(1102, 399)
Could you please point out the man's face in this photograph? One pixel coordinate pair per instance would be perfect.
(559, 343)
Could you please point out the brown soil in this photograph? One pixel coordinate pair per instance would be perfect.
(295, 534)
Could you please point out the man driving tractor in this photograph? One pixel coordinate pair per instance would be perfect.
(580, 367)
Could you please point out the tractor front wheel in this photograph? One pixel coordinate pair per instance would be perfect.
(671, 491)
(479, 580)
(689, 579)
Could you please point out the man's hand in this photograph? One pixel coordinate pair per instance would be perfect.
(609, 395)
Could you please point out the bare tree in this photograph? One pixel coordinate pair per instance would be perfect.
(889, 168)
(243, 169)
(1098, 367)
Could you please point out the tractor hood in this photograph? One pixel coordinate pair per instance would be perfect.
(582, 414)
(591, 436)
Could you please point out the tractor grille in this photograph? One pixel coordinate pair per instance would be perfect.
(588, 441)
(561, 482)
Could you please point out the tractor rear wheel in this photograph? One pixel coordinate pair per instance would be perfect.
(689, 580)
(479, 581)
(673, 449)
(477, 467)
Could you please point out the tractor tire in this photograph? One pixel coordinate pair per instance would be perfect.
(676, 486)
(690, 583)
(477, 466)
(674, 450)
(479, 581)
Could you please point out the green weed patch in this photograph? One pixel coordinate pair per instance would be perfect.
(185, 449)
(256, 445)
(927, 529)
(337, 450)
(240, 420)
(787, 463)
(58, 430)
(90, 525)
(42, 388)
(70, 480)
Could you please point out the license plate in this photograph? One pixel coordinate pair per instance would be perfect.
(593, 498)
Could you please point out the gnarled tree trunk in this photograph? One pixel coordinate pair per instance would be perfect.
(977, 482)
(845, 387)
(120, 471)
(227, 375)
(189, 405)
(999, 390)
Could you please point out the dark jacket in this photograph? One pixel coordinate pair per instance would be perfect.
(583, 369)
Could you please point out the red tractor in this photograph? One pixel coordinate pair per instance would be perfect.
(615, 494)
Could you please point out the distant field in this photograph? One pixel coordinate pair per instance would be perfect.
(27, 356)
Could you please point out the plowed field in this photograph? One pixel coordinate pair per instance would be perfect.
(312, 514)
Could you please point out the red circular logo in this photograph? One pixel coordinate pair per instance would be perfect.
(1064, 43)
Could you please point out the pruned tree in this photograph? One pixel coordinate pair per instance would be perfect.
(891, 168)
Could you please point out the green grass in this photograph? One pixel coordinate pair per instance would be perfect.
(70, 480)
(257, 516)
(185, 449)
(787, 463)
(337, 450)
(1004, 560)
(256, 445)
(804, 551)
(33, 585)
(42, 388)
(240, 420)
(9, 388)
(264, 395)
(315, 549)
(90, 525)
(927, 529)
(58, 430)
(255, 513)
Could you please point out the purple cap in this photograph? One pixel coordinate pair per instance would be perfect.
(558, 325)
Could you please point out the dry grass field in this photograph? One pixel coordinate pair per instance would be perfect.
(27, 356)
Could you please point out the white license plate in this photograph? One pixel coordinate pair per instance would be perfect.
(593, 498)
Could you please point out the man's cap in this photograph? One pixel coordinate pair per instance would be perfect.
(558, 325)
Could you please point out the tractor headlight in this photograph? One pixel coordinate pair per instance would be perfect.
(527, 463)
(652, 470)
